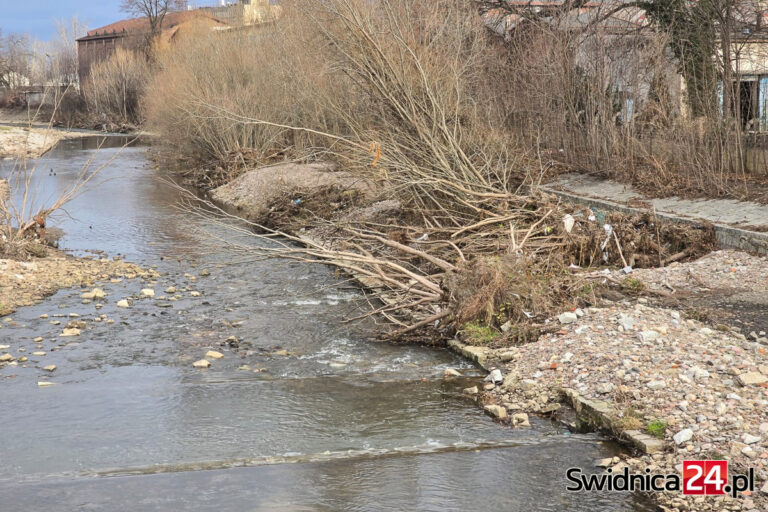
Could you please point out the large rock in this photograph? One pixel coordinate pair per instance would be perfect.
(496, 411)
(495, 377)
(627, 322)
(604, 388)
(752, 379)
(212, 354)
(683, 436)
(567, 318)
(520, 420)
(96, 293)
(507, 356)
(646, 336)
(750, 439)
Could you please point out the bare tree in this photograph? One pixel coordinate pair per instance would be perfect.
(14, 60)
(64, 50)
(154, 10)
(54, 62)
(3, 62)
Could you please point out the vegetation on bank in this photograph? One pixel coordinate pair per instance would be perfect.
(115, 88)
(554, 94)
(436, 113)
(415, 99)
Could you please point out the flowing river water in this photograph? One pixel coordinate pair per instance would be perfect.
(330, 420)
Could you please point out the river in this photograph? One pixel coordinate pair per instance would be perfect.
(324, 418)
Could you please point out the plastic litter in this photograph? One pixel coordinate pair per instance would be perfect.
(569, 221)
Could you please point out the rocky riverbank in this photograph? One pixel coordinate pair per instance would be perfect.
(693, 390)
(23, 283)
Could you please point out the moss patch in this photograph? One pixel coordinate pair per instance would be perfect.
(657, 428)
(478, 334)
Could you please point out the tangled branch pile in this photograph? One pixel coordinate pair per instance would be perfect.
(448, 241)
(506, 274)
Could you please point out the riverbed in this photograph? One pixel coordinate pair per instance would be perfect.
(305, 411)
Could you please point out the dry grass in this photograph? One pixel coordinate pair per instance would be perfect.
(208, 86)
(571, 97)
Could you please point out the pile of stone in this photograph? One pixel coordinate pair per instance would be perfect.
(647, 371)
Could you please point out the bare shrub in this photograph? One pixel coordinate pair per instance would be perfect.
(114, 87)
(430, 124)
(24, 215)
(397, 92)
(210, 85)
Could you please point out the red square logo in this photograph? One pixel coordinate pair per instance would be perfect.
(705, 477)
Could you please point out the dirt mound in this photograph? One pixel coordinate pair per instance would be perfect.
(279, 189)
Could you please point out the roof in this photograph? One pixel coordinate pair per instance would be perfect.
(141, 25)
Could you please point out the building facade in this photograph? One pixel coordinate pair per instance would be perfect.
(131, 34)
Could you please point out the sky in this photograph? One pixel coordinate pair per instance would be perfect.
(38, 17)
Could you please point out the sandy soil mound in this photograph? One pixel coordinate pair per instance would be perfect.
(257, 191)
(27, 142)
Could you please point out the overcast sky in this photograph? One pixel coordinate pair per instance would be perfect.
(38, 17)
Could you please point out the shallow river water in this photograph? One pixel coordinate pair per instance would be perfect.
(330, 420)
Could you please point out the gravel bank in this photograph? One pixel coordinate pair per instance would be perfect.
(704, 387)
(23, 283)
